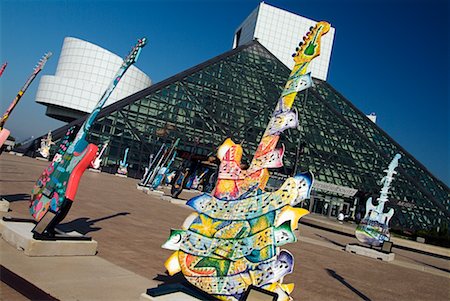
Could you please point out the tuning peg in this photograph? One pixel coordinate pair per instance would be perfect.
(293, 55)
(297, 49)
(300, 44)
(311, 28)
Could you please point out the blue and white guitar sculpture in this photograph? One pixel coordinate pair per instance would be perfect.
(122, 170)
(374, 227)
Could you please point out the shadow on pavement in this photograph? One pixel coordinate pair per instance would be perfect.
(332, 241)
(176, 283)
(83, 225)
(17, 197)
(23, 286)
(424, 263)
(15, 181)
(349, 286)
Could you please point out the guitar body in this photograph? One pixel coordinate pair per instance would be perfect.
(59, 182)
(159, 177)
(178, 185)
(96, 163)
(198, 178)
(4, 134)
(122, 170)
(374, 227)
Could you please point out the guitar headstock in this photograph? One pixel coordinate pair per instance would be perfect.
(134, 54)
(42, 62)
(310, 47)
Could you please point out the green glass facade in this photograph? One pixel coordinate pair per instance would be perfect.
(233, 95)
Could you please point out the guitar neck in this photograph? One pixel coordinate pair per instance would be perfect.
(302, 59)
(22, 91)
(91, 118)
(2, 69)
(387, 180)
(103, 149)
(124, 161)
(127, 62)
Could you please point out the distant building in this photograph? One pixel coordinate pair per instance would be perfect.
(372, 117)
(278, 30)
(83, 73)
(232, 96)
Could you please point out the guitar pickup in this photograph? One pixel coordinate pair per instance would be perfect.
(47, 192)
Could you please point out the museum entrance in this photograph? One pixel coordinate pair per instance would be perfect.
(327, 205)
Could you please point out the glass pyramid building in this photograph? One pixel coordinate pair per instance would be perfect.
(232, 95)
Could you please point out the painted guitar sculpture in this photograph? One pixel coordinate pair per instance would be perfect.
(56, 188)
(122, 170)
(163, 171)
(233, 239)
(148, 170)
(374, 227)
(4, 134)
(46, 144)
(198, 178)
(98, 159)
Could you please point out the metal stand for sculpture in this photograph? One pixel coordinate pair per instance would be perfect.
(233, 239)
(4, 133)
(374, 227)
(46, 144)
(55, 190)
(122, 170)
(96, 163)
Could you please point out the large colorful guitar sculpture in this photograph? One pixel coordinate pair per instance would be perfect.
(374, 227)
(56, 188)
(4, 134)
(233, 239)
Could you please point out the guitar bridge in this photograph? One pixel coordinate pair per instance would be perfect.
(47, 192)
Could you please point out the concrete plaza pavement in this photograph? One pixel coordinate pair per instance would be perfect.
(130, 227)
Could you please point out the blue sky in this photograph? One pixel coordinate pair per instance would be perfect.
(389, 57)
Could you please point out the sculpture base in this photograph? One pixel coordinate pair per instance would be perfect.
(4, 205)
(368, 252)
(16, 154)
(94, 170)
(173, 200)
(154, 192)
(120, 175)
(20, 236)
(141, 187)
(42, 159)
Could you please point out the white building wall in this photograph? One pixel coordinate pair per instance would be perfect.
(280, 32)
(83, 73)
